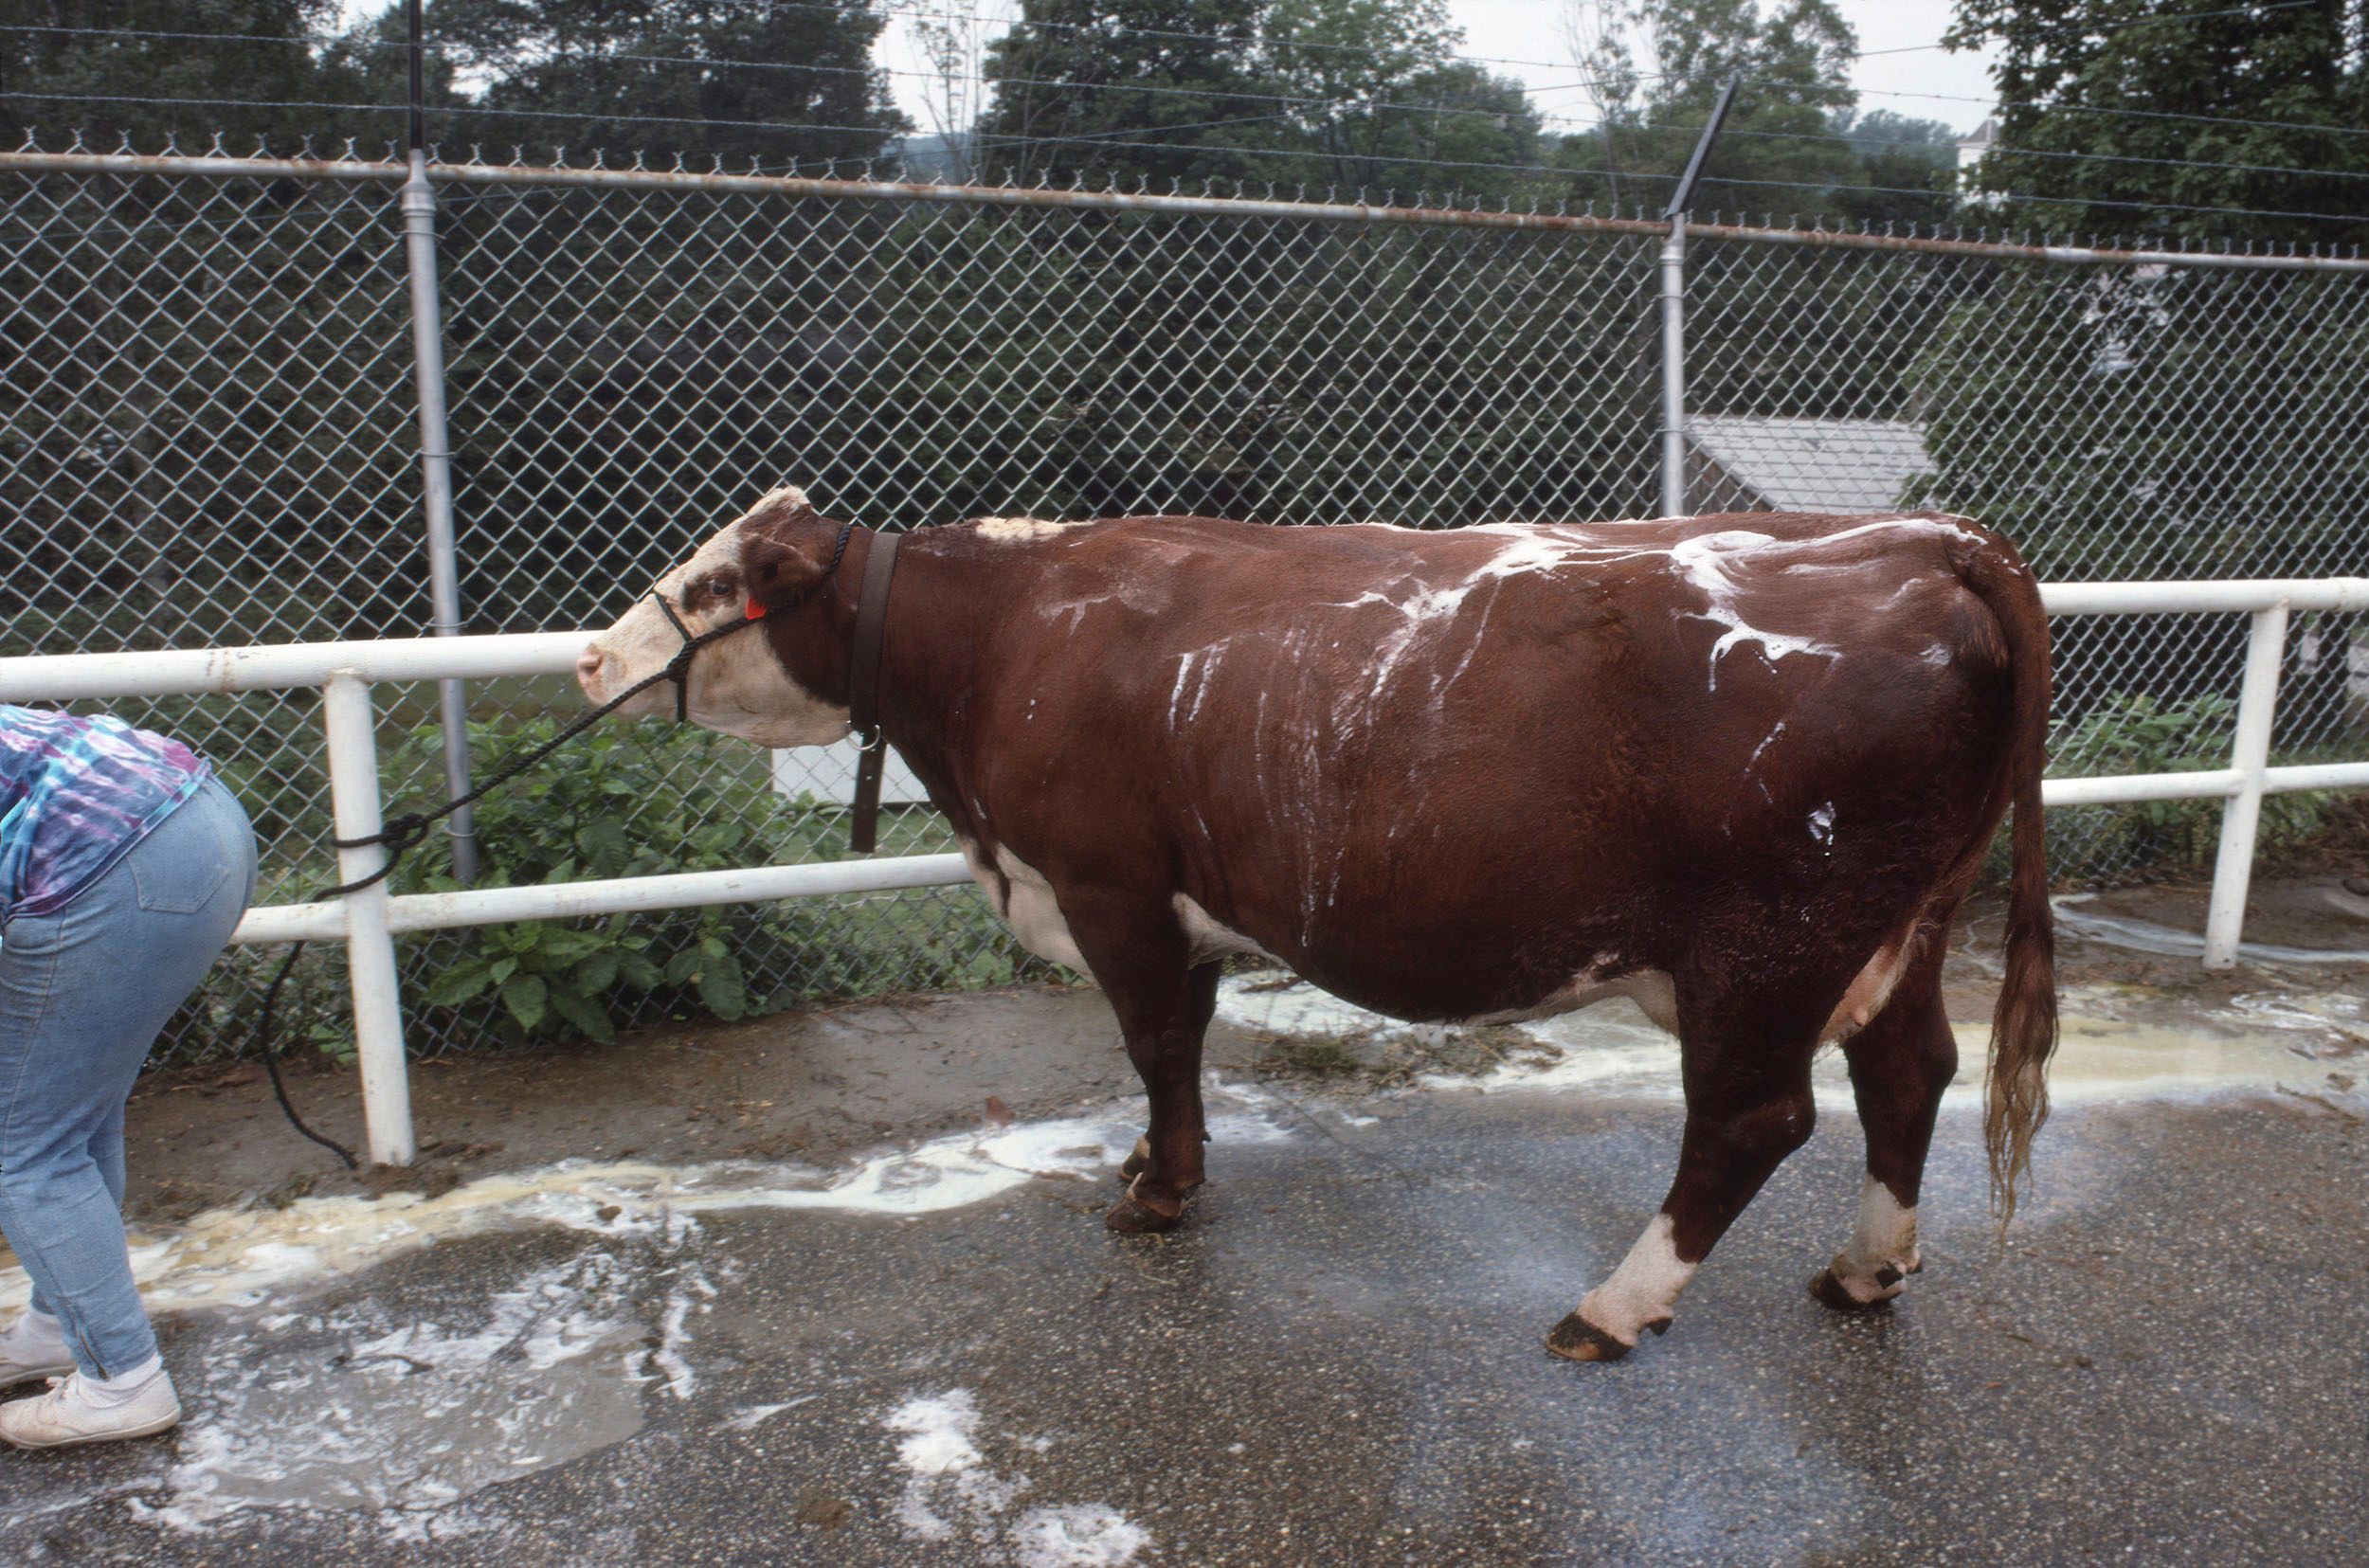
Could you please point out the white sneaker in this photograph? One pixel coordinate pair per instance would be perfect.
(33, 1348)
(70, 1415)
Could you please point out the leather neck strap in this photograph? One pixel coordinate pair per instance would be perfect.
(863, 690)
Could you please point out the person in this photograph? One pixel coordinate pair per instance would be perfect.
(124, 864)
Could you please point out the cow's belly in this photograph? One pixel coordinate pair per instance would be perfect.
(1023, 900)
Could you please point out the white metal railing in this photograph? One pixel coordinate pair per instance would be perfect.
(368, 921)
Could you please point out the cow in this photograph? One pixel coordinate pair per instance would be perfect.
(1741, 769)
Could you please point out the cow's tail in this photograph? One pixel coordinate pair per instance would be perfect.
(2023, 1026)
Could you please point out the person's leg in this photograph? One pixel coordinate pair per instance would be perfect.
(82, 995)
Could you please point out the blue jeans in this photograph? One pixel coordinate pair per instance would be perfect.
(82, 993)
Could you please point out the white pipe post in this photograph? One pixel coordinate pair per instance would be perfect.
(2257, 699)
(1673, 375)
(369, 945)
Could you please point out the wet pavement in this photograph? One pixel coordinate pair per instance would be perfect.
(940, 1357)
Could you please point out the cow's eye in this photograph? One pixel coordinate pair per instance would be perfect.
(718, 587)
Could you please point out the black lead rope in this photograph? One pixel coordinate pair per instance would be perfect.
(407, 830)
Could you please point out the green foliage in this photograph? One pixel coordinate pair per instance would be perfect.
(1354, 94)
(1654, 69)
(642, 799)
(2299, 73)
(705, 79)
(1054, 113)
(650, 76)
(2133, 732)
(90, 55)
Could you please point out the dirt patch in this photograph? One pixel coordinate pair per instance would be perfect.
(822, 1085)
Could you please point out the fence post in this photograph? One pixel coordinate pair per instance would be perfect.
(2232, 868)
(1674, 375)
(369, 946)
(1674, 311)
(418, 201)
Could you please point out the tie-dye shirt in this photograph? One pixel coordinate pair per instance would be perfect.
(76, 794)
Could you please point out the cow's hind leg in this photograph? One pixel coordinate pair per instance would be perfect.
(1900, 1064)
(1748, 1106)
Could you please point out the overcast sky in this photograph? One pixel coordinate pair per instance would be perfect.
(1530, 32)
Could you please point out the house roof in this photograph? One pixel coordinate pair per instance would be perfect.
(1814, 464)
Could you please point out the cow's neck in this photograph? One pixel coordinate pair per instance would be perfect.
(943, 601)
(925, 685)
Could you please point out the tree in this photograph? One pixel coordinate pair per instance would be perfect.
(1356, 95)
(737, 79)
(1382, 103)
(1908, 168)
(1157, 89)
(111, 51)
(1654, 69)
(2083, 83)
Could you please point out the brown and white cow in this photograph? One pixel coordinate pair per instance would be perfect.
(1739, 768)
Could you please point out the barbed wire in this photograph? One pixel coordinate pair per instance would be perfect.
(868, 164)
(1305, 101)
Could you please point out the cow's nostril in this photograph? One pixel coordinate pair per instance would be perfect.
(587, 663)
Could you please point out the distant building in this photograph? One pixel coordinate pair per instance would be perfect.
(1972, 146)
(1972, 149)
(1753, 463)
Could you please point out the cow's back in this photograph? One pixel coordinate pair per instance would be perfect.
(1443, 773)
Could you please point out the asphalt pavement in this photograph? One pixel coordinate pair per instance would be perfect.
(1338, 1361)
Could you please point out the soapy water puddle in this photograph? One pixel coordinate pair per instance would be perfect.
(2146, 936)
(2115, 1043)
(342, 1404)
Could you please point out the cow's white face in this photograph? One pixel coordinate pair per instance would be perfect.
(737, 684)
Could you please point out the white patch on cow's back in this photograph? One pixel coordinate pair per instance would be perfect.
(1644, 1290)
(1208, 940)
(1015, 530)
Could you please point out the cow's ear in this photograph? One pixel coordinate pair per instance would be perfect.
(778, 564)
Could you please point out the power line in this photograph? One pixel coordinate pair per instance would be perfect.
(2001, 106)
(1149, 89)
(2083, 157)
(2058, 201)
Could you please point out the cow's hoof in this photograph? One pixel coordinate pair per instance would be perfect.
(1137, 1161)
(1575, 1339)
(1137, 1212)
(1831, 1291)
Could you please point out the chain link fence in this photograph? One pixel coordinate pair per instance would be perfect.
(207, 438)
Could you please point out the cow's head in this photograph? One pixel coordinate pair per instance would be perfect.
(738, 684)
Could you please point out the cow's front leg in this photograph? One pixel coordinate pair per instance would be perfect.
(1743, 1118)
(1164, 1002)
(1900, 1065)
(1205, 1003)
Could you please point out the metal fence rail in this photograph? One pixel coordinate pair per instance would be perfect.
(209, 436)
